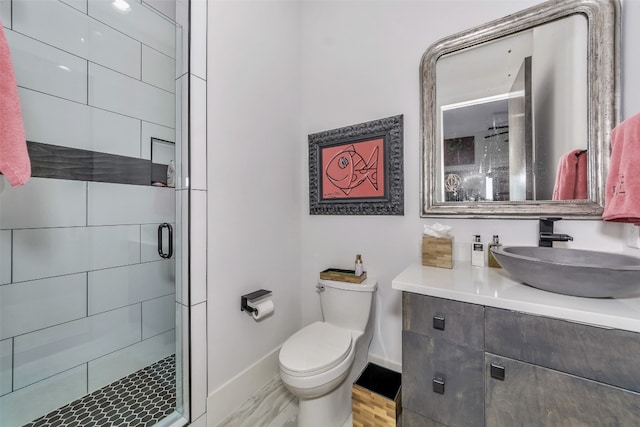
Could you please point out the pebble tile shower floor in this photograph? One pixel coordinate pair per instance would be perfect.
(140, 399)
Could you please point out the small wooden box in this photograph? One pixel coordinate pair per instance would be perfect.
(376, 397)
(437, 252)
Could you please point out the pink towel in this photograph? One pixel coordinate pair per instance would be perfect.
(14, 158)
(622, 192)
(571, 179)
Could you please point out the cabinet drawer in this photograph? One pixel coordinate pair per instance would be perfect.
(463, 323)
(458, 399)
(411, 419)
(533, 396)
(605, 355)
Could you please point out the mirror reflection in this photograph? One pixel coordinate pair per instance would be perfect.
(510, 110)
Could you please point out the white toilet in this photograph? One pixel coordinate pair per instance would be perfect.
(320, 362)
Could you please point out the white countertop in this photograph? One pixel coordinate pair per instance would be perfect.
(494, 287)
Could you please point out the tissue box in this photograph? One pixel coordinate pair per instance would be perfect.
(437, 252)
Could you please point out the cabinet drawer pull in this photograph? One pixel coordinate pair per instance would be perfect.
(438, 385)
(497, 372)
(438, 322)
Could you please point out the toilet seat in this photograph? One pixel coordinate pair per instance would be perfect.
(315, 349)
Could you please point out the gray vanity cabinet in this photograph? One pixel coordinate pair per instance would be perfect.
(504, 368)
(531, 395)
(442, 359)
(609, 356)
(560, 373)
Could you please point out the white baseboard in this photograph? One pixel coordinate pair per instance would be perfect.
(229, 396)
(389, 364)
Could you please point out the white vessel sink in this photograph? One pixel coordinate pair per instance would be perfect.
(572, 271)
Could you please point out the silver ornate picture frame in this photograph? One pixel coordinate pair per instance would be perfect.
(358, 169)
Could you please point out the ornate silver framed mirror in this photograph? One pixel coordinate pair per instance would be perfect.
(517, 113)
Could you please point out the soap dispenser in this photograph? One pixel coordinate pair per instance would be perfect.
(493, 262)
(477, 252)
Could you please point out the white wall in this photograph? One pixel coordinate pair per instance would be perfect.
(360, 62)
(279, 71)
(253, 182)
(630, 62)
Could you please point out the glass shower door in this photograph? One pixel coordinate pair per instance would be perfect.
(87, 267)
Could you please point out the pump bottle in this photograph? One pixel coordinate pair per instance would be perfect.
(477, 252)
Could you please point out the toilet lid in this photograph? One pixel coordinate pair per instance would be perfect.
(315, 349)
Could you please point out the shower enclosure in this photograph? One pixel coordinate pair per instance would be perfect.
(90, 247)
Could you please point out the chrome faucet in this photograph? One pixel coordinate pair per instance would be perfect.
(547, 236)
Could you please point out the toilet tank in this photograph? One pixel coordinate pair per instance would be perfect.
(347, 304)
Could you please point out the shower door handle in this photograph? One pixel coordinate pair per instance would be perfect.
(170, 247)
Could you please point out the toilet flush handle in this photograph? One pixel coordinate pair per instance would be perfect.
(320, 287)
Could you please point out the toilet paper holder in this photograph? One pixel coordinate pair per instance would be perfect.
(244, 299)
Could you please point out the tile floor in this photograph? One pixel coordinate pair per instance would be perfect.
(272, 406)
(140, 399)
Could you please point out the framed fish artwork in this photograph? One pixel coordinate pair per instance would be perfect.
(358, 169)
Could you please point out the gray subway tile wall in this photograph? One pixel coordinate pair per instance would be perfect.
(81, 126)
(56, 300)
(157, 131)
(136, 204)
(5, 13)
(158, 69)
(6, 360)
(81, 5)
(66, 203)
(81, 35)
(17, 407)
(46, 69)
(120, 363)
(113, 288)
(5, 258)
(156, 31)
(49, 351)
(113, 91)
(84, 297)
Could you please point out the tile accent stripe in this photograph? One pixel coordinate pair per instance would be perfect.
(54, 161)
(158, 173)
